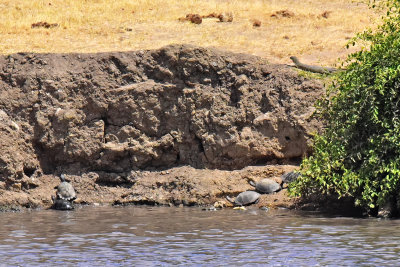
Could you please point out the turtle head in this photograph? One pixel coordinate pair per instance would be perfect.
(62, 177)
(230, 200)
(294, 59)
(252, 183)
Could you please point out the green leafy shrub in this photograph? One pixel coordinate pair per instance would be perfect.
(358, 154)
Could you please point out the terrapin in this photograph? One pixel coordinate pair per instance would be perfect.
(65, 191)
(290, 177)
(266, 186)
(61, 204)
(245, 198)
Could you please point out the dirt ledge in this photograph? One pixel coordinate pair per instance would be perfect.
(177, 186)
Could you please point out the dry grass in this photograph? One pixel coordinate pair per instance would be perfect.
(100, 25)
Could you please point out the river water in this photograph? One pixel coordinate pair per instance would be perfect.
(154, 236)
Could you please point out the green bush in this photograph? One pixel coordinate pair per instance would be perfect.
(358, 154)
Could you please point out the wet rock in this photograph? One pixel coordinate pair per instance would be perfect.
(62, 204)
(385, 211)
(211, 208)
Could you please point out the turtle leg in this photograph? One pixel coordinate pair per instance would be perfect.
(230, 200)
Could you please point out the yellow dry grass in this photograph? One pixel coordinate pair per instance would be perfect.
(100, 25)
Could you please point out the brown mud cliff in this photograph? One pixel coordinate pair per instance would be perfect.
(178, 125)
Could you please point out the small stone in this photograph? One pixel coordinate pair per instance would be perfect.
(194, 18)
(225, 17)
(14, 125)
(78, 201)
(241, 80)
(207, 80)
(111, 138)
(385, 211)
(220, 204)
(239, 208)
(209, 208)
(17, 186)
(256, 23)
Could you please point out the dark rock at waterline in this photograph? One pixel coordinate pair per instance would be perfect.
(62, 204)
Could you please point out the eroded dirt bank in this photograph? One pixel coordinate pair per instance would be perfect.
(178, 125)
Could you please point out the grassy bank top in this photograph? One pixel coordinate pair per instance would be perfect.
(314, 30)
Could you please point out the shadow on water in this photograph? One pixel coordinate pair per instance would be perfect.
(135, 235)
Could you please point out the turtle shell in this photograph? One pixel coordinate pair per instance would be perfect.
(65, 191)
(290, 177)
(267, 186)
(247, 198)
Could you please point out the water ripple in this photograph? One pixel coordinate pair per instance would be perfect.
(146, 236)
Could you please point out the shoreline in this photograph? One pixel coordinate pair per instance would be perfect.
(164, 188)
